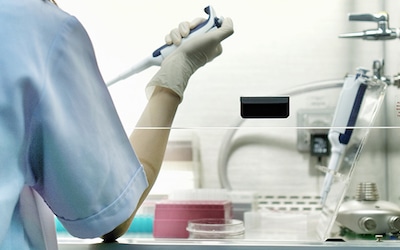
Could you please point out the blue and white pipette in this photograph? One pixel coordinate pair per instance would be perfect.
(344, 119)
(162, 52)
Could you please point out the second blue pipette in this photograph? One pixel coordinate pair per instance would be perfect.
(344, 120)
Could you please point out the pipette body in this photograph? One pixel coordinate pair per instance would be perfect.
(344, 120)
(162, 52)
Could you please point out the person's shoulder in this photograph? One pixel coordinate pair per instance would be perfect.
(52, 17)
(34, 18)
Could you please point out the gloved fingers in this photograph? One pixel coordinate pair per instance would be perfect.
(176, 35)
(168, 39)
(177, 68)
(183, 30)
(225, 30)
(213, 37)
(173, 37)
(196, 22)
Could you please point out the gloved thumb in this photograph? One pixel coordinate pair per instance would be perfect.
(225, 30)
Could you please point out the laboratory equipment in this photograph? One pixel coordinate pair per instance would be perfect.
(227, 141)
(162, 52)
(264, 243)
(264, 107)
(172, 216)
(216, 229)
(382, 32)
(368, 215)
(360, 103)
(345, 118)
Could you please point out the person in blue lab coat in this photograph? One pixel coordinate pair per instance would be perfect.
(61, 140)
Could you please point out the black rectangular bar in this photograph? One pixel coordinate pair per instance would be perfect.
(264, 107)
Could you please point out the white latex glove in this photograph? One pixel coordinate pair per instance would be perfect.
(183, 30)
(177, 68)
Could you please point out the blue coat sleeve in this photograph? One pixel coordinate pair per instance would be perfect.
(82, 161)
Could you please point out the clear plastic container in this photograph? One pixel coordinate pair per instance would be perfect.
(216, 229)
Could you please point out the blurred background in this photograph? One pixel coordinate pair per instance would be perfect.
(277, 45)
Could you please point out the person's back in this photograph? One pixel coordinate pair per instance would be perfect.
(60, 133)
(28, 28)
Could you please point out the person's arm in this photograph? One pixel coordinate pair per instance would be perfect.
(149, 141)
(150, 137)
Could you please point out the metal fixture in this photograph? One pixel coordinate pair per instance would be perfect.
(369, 215)
(382, 32)
(367, 192)
(396, 80)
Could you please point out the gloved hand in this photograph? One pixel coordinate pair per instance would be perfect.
(177, 68)
(183, 30)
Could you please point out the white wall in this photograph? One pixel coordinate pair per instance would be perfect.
(276, 45)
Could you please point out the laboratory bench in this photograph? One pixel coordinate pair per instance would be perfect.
(193, 244)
